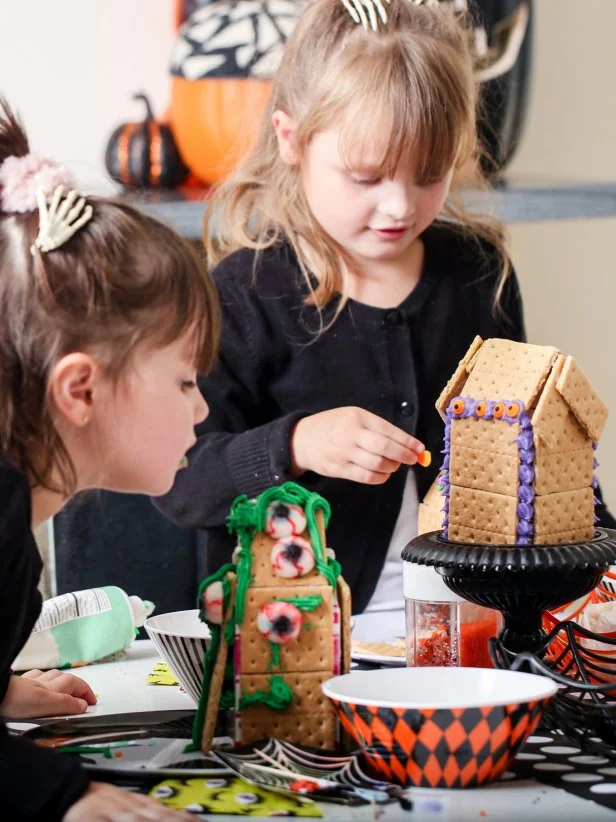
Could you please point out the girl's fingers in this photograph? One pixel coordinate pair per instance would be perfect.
(62, 682)
(364, 475)
(33, 674)
(45, 676)
(380, 426)
(386, 448)
(76, 687)
(374, 462)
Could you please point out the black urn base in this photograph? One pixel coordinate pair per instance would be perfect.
(520, 581)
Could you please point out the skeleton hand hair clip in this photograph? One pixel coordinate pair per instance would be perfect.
(365, 11)
(61, 219)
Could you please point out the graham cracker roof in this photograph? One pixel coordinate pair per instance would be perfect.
(549, 384)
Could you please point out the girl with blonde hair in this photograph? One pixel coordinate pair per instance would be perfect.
(107, 315)
(351, 284)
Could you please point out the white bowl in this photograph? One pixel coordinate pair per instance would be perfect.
(181, 639)
(430, 688)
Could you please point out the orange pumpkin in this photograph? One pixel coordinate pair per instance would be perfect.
(224, 57)
(215, 121)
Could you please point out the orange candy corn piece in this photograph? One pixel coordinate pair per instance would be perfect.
(424, 459)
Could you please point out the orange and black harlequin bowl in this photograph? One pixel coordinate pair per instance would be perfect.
(439, 727)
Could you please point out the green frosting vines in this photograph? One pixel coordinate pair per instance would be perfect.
(308, 603)
(248, 517)
(279, 696)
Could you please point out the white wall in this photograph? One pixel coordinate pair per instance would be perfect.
(571, 129)
(568, 269)
(71, 66)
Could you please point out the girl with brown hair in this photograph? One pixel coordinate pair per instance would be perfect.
(106, 318)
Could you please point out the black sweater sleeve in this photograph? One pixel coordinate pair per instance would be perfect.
(240, 449)
(35, 783)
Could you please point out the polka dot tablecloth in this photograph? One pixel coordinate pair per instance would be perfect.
(548, 758)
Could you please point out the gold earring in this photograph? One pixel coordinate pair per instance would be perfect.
(85, 419)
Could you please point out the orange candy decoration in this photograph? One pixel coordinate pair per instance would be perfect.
(424, 459)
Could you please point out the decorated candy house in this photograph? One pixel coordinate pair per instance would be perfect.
(280, 621)
(521, 427)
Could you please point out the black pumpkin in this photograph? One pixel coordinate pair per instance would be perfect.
(144, 155)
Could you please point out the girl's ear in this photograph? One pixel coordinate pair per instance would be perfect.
(284, 126)
(71, 387)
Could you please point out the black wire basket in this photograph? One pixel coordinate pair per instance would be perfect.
(584, 709)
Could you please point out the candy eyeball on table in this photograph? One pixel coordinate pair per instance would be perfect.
(292, 557)
(213, 599)
(279, 622)
(284, 520)
(246, 798)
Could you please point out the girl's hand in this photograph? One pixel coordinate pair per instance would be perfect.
(48, 693)
(351, 443)
(106, 803)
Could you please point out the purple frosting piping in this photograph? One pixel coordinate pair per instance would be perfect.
(595, 481)
(526, 453)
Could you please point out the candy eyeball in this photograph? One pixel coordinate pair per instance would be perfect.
(458, 407)
(215, 783)
(499, 410)
(164, 792)
(292, 557)
(513, 409)
(246, 798)
(213, 601)
(279, 622)
(284, 520)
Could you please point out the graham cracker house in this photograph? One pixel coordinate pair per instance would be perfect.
(280, 622)
(521, 427)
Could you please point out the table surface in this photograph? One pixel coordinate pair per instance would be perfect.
(121, 686)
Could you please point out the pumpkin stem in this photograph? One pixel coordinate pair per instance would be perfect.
(149, 115)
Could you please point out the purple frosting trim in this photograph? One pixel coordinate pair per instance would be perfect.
(595, 481)
(525, 440)
(526, 474)
(525, 510)
(526, 494)
(511, 411)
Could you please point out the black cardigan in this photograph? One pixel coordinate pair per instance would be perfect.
(273, 370)
(35, 783)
